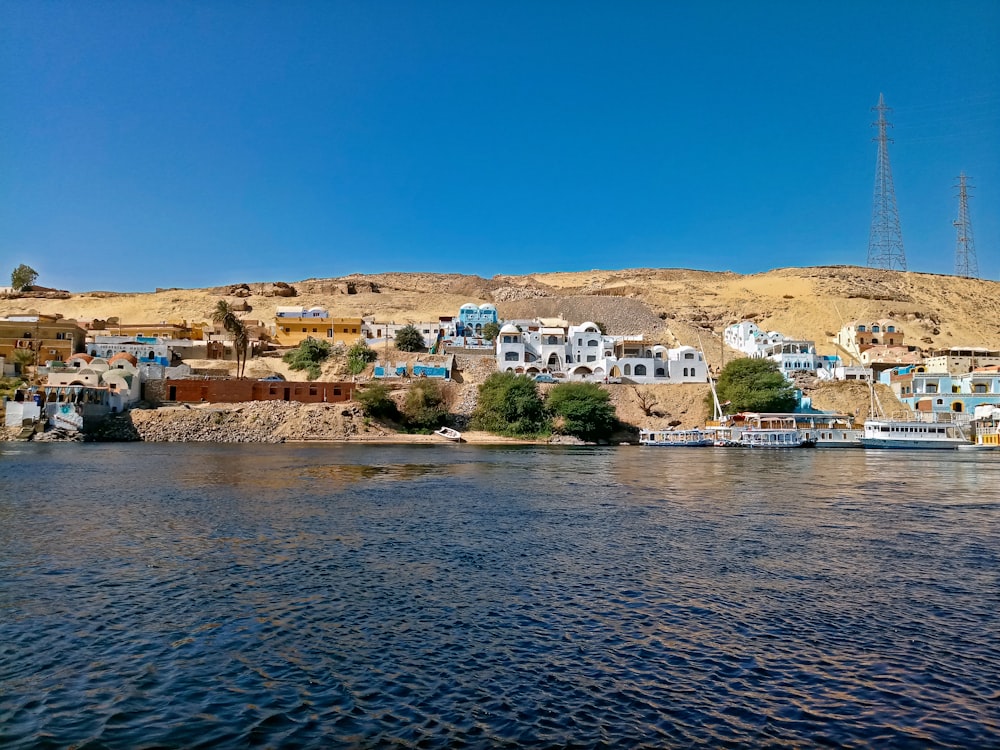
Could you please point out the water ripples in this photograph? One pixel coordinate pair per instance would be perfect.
(464, 597)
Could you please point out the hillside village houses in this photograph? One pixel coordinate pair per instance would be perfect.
(547, 345)
(791, 355)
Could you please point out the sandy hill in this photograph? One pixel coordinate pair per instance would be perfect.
(671, 305)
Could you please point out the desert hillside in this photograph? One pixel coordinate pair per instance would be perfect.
(671, 305)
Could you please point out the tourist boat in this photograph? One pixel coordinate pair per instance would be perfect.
(770, 431)
(834, 431)
(449, 434)
(912, 432)
(676, 438)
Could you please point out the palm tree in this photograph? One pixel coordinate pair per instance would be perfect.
(225, 315)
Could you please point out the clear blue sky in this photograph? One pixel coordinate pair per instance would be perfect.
(177, 143)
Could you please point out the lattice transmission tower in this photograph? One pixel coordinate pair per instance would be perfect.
(885, 241)
(965, 249)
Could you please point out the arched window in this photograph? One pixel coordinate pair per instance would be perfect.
(660, 372)
(552, 340)
(875, 329)
(511, 357)
(627, 370)
(640, 369)
(592, 342)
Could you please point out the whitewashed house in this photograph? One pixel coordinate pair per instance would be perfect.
(583, 353)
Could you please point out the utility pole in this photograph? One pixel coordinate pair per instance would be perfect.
(885, 241)
(965, 249)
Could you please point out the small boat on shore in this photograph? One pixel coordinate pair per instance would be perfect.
(449, 434)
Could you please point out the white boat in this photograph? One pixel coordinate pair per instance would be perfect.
(835, 431)
(764, 431)
(449, 434)
(676, 438)
(913, 433)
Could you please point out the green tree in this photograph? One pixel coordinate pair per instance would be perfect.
(225, 314)
(23, 276)
(491, 331)
(582, 409)
(308, 356)
(376, 402)
(409, 339)
(424, 408)
(358, 357)
(754, 385)
(509, 405)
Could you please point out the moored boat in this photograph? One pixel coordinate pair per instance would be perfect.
(449, 434)
(912, 433)
(676, 438)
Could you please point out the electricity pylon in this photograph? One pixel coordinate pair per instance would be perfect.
(965, 249)
(885, 241)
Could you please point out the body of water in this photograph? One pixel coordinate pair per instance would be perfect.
(182, 595)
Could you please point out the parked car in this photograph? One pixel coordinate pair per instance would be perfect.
(544, 377)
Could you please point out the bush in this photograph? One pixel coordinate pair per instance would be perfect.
(424, 408)
(754, 385)
(509, 405)
(376, 402)
(582, 409)
(358, 357)
(307, 356)
(409, 339)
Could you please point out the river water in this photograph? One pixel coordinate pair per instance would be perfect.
(182, 595)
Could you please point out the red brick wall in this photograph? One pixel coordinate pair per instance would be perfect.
(234, 391)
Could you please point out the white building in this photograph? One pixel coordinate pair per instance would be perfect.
(584, 353)
(791, 355)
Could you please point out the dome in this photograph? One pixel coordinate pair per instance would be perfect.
(488, 306)
(469, 306)
(123, 355)
(509, 328)
(590, 327)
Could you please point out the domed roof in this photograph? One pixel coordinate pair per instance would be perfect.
(509, 328)
(469, 306)
(82, 357)
(123, 355)
(592, 327)
(488, 306)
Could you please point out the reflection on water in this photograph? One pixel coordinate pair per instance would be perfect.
(224, 596)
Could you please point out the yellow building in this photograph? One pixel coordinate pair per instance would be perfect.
(293, 325)
(47, 337)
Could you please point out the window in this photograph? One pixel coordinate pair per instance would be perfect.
(980, 388)
(510, 357)
(593, 342)
(591, 358)
(861, 329)
(660, 372)
(875, 329)
(640, 369)
(314, 330)
(890, 329)
(689, 355)
(931, 388)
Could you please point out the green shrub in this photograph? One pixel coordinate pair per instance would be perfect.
(509, 405)
(582, 409)
(376, 402)
(358, 357)
(491, 331)
(424, 408)
(307, 356)
(409, 339)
